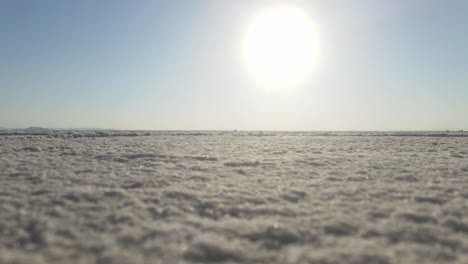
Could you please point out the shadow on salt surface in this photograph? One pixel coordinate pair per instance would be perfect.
(242, 164)
(202, 158)
(274, 237)
(340, 229)
(214, 248)
(153, 156)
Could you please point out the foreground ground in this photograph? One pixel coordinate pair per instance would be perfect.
(169, 197)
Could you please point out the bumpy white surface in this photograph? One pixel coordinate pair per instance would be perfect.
(170, 197)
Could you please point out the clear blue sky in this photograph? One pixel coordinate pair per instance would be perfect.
(385, 65)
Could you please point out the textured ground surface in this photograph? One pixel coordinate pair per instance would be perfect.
(169, 197)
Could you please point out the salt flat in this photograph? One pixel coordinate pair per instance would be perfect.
(233, 197)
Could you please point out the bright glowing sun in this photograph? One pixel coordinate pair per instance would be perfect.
(281, 46)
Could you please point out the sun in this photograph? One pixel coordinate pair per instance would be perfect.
(281, 46)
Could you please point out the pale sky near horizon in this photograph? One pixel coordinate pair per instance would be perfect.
(177, 64)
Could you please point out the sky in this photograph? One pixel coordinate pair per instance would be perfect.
(177, 64)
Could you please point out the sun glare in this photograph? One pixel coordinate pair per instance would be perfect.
(281, 46)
